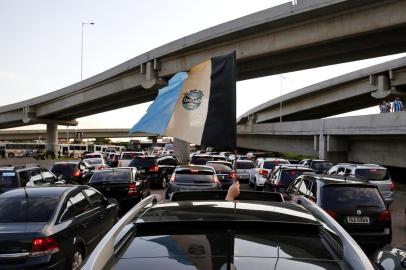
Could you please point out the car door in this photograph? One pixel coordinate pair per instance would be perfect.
(83, 219)
(106, 214)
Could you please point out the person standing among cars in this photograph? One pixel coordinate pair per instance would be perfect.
(382, 107)
(388, 106)
(397, 105)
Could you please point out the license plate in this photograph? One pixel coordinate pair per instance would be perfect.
(141, 170)
(358, 220)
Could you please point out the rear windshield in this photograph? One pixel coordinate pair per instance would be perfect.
(349, 197)
(228, 165)
(322, 165)
(93, 161)
(373, 174)
(130, 155)
(8, 179)
(287, 176)
(272, 164)
(19, 209)
(92, 156)
(219, 167)
(111, 176)
(200, 160)
(142, 162)
(63, 169)
(201, 177)
(245, 165)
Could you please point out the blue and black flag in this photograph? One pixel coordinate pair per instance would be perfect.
(198, 106)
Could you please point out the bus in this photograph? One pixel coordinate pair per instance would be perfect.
(22, 149)
(77, 150)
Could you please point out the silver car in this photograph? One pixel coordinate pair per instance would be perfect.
(245, 170)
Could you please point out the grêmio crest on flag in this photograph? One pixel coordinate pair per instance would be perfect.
(198, 106)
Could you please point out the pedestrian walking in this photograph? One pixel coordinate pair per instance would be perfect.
(388, 106)
(383, 108)
(397, 105)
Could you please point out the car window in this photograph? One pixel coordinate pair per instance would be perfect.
(245, 165)
(200, 177)
(21, 209)
(8, 179)
(167, 162)
(335, 197)
(306, 188)
(65, 169)
(287, 176)
(24, 177)
(75, 206)
(36, 177)
(322, 165)
(95, 198)
(218, 167)
(333, 170)
(143, 162)
(374, 174)
(341, 171)
(200, 160)
(295, 186)
(48, 177)
(119, 175)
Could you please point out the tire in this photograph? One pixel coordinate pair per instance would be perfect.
(10, 155)
(77, 258)
(164, 182)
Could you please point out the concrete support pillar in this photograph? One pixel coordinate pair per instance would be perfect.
(52, 138)
(154, 141)
(322, 147)
(181, 150)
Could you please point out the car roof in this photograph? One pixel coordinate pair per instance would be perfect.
(194, 167)
(293, 167)
(219, 162)
(75, 162)
(244, 161)
(274, 159)
(341, 180)
(225, 210)
(48, 191)
(361, 165)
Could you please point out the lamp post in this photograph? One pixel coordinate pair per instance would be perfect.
(81, 49)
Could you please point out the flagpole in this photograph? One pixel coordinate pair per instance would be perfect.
(235, 98)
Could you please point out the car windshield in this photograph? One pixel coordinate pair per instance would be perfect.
(272, 164)
(19, 209)
(93, 161)
(63, 169)
(322, 165)
(198, 160)
(130, 155)
(92, 156)
(8, 179)
(228, 164)
(143, 162)
(196, 177)
(335, 197)
(111, 176)
(373, 174)
(287, 176)
(219, 167)
(245, 165)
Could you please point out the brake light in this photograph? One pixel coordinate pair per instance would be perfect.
(154, 168)
(100, 168)
(76, 173)
(385, 216)
(332, 214)
(392, 186)
(173, 177)
(263, 172)
(132, 189)
(44, 245)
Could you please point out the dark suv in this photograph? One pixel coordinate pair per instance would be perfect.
(282, 176)
(356, 205)
(156, 170)
(20, 176)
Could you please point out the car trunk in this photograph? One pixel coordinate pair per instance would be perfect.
(115, 189)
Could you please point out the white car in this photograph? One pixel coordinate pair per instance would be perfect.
(97, 163)
(245, 170)
(265, 167)
(126, 158)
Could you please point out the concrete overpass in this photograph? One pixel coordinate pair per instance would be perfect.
(352, 91)
(284, 38)
(16, 135)
(376, 138)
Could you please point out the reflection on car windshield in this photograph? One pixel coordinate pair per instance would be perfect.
(373, 174)
(245, 165)
(8, 179)
(322, 165)
(93, 161)
(111, 176)
(19, 209)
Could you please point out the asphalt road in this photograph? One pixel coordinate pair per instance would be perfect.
(397, 208)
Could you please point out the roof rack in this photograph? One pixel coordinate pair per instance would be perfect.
(221, 195)
(105, 249)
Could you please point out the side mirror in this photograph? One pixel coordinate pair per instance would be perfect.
(59, 178)
(112, 201)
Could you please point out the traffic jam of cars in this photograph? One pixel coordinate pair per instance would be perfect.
(104, 211)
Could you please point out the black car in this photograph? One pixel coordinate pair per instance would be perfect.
(200, 159)
(193, 178)
(224, 171)
(52, 227)
(357, 206)
(12, 177)
(213, 234)
(319, 166)
(122, 184)
(282, 176)
(156, 170)
(73, 172)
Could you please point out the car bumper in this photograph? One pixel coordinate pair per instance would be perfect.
(41, 262)
(373, 239)
(261, 181)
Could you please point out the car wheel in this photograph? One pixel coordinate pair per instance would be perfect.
(77, 258)
(164, 182)
(10, 155)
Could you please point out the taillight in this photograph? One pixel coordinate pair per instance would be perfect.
(385, 216)
(44, 245)
(76, 173)
(263, 172)
(100, 168)
(132, 189)
(392, 186)
(332, 214)
(154, 168)
(173, 177)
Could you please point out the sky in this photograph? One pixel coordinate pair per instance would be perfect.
(40, 47)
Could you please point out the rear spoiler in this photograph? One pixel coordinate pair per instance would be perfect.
(104, 251)
(221, 195)
(353, 254)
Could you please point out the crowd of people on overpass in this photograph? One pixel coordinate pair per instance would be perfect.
(395, 106)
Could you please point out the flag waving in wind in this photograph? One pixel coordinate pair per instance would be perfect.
(198, 106)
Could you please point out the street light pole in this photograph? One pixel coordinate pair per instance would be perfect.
(280, 103)
(81, 50)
